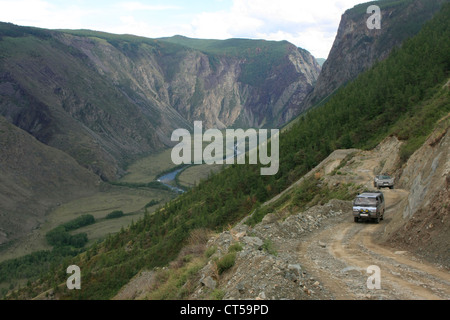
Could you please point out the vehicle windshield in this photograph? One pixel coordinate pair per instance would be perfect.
(362, 201)
(385, 177)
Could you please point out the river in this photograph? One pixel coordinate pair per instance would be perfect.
(165, 179)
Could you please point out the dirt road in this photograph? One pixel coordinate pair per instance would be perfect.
(339, 255)
(322, 254)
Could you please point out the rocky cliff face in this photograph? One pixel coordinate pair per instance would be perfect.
(356, 47)
(424, 224)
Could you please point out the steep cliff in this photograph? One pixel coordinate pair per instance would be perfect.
(260, 79)
(357, 48)
(423, 225)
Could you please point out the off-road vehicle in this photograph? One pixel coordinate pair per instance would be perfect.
(369, 205)
(383, 181)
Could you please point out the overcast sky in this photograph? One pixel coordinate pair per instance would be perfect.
(311, 25)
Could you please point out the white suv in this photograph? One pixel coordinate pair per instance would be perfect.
(383, 181)
(369, 205)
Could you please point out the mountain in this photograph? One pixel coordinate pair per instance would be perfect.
(321, 61)
(106, 99)
(404, 98)
(266, 75)
(357, 48)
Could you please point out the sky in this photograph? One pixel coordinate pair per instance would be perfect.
(311, 25)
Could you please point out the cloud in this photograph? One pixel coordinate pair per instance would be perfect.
(139, 6)
(308, 24)
(311, 25)
(43, 14)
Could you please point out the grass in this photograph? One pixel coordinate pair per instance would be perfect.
(226, 262)
(148, 168)
(111, 198)
(210, 251)
(176, 283)
(268, 246)
(217, 294)
(193, 175)
(151, 167)
(181, 277)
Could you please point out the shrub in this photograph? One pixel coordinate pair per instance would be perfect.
(115, 214)
(210, 251)
(151, 203)
(236, 247)
(268, 247)
(58, 236)
(226, 262)
(79, 222)
(78, 240)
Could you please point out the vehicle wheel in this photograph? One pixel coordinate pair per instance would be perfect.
(391, 187)
(377, 219)
(356, 219)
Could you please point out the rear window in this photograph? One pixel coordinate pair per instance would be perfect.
(363, 201)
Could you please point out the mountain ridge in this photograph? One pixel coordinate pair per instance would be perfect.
(357, 48)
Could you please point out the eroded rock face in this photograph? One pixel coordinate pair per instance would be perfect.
(426, 212)
(356, 47)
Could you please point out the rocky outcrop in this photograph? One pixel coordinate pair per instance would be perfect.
(357, 48)
(425, 223)
(267, 267)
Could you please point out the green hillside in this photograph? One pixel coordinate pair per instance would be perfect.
(390, 99)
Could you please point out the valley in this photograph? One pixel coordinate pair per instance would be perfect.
(110, 197)
(106, 199)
